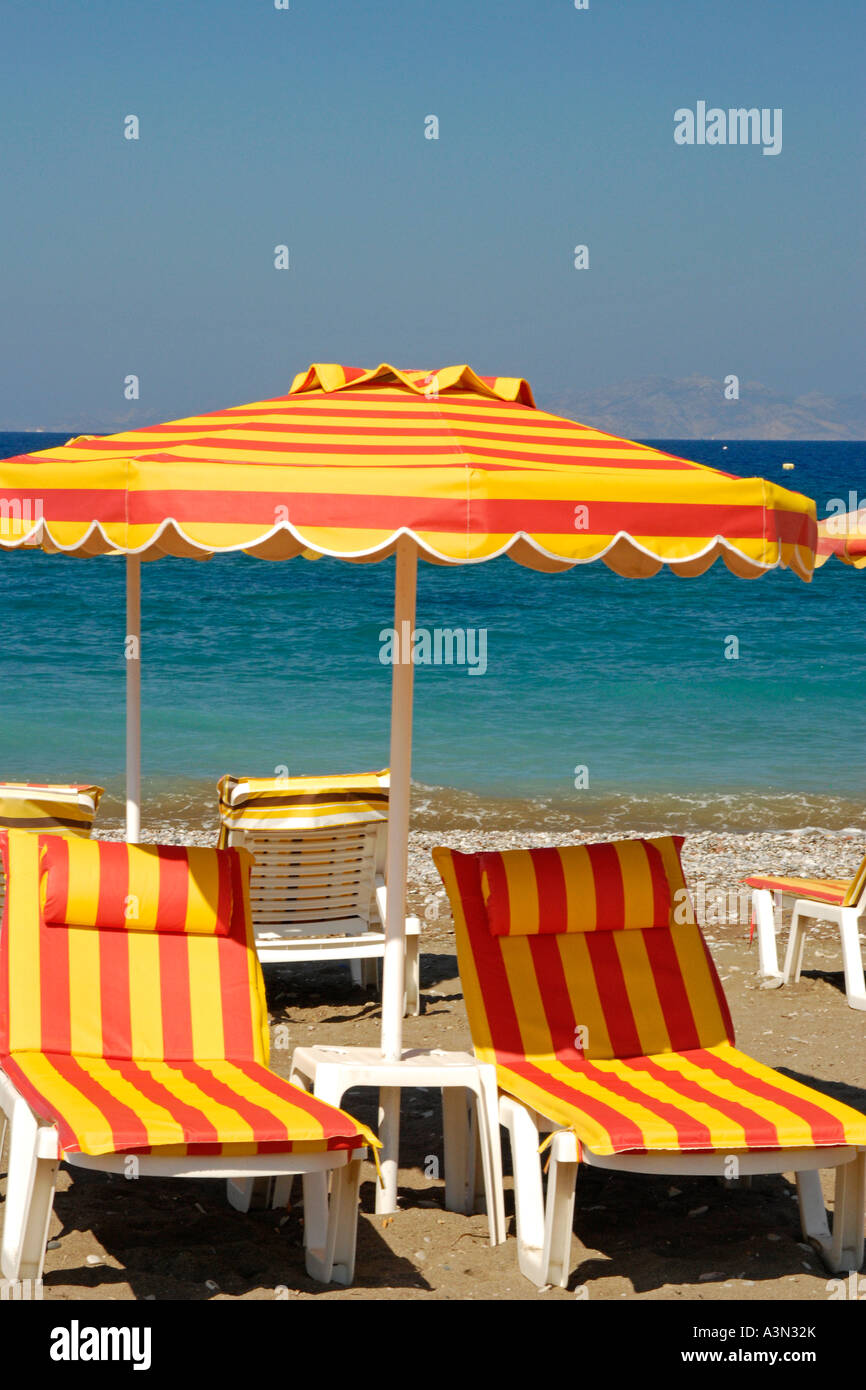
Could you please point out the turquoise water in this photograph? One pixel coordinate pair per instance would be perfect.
(248, 666)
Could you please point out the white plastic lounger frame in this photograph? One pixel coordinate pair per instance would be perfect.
(849, 920)
(320, 894)
(544, 1227)
(330, 1223)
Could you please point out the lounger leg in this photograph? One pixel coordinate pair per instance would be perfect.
(30, 1184)
(343, 1221)
(813, 1213)
(849, 1205)
(765, 922)
(258, 1194)
(852, 959)
(331, 1227)
(477, 1180)
(455, 1134)
(369, 973)
(318, 1255)
(559, 1210)
(488, 1142)
(412, 976)
(796, 944)
(528, 1190)
(843, 1248)
(356, 970)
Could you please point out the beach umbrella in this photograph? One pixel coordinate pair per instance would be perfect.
(843, 535)
(360, 464)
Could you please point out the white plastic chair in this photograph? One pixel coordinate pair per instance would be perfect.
(840, 902)
(318, 888)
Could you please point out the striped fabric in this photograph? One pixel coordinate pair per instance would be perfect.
(622, 885)
(624, 1037)
(301, 803)
(841, 892)
(157, 888)
(52, 808)
(822, 890)
(142, 1040)
(350, 459)
(845, 537)
(48, 807)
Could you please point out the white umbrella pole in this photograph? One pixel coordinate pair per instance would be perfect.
(398, 854)
(133, 699)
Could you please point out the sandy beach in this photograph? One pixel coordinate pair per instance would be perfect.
(634, 1238)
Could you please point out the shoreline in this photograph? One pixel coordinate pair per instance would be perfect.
(715, 858)
(171, 806)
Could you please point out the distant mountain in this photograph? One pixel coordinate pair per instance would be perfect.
(655, 407)
(694, 407)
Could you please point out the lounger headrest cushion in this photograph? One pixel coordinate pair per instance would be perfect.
(303, 803)
(156, 888)
(619, 886)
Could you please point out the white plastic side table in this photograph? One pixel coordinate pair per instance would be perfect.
(331, 1071)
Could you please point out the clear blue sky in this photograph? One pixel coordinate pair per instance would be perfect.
(306, 127)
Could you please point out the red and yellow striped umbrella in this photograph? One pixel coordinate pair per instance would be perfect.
(351, 460)
(448, 465)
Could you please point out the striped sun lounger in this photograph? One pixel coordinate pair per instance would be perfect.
(133, 1023)
(841, 901)
(604, 1015)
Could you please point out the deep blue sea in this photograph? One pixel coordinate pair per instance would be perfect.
(249, 665)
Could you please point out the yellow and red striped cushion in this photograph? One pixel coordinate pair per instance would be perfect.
(157, 888)
(110, 1105)
(822, 890)
(48, 807)
(301, 803)
(857, 887)
(624, 885)
(840, 892)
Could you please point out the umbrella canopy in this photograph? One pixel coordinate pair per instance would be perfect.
(361, 464)
(845, 537)
(350, 460)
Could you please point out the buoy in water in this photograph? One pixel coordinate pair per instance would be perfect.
(787, 465)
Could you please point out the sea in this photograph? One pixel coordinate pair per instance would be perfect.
(606, 704)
